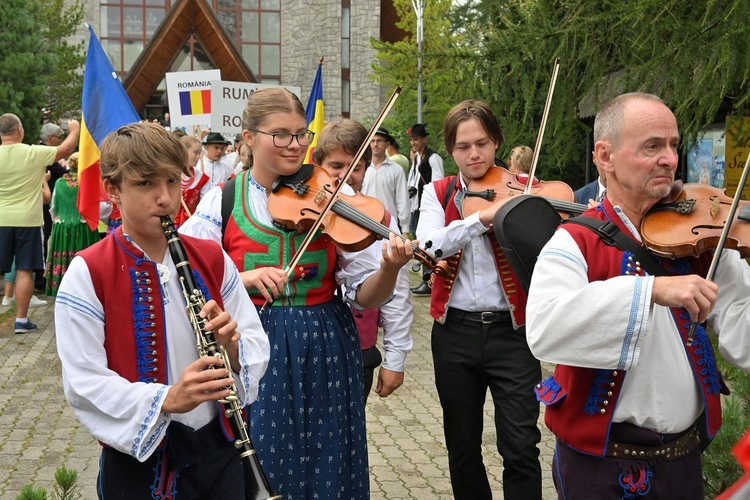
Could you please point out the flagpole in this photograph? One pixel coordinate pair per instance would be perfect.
(419, 6)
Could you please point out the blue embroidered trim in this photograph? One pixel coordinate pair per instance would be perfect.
(232, 283)
(633, 321)
(152, 411)
(565, 255)
(636, 481)
(143, 325)
(706, 358)
(202, 285)
(549, 384)
(598, 392)
(253, 183)
(213, 220)
(85, 308)
(165, 480)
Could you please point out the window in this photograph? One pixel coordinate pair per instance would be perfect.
(255, 26)
(127, 26)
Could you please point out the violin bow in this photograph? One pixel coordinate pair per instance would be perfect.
(545, 114)
(335, 194)
(723, 239)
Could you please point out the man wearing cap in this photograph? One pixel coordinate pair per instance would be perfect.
(214, 164)
(426, 167)
(386, 180)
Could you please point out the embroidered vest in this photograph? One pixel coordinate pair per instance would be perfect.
(128, 288)
(191, 196)
(442, 286)
(424, 170)
(251, 245)
(581, 401)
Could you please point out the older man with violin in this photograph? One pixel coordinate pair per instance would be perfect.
(478, 341)
(635, 395)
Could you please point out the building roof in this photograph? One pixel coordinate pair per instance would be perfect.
(185, 18)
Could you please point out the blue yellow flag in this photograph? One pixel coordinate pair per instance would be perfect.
(314, 110)
(106, 107)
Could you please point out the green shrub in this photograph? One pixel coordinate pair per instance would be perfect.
(720, 467)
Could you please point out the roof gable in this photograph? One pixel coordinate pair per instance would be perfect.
(186, 17)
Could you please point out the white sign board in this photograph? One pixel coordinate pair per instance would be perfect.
(228, 102)
(189, 94)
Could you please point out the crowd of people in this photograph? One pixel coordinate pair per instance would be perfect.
(634, 397)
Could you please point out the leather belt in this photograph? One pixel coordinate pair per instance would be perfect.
(683, 445)
(484, 317)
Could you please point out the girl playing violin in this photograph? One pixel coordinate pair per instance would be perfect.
(308, 424)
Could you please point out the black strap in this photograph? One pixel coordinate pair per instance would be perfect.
(227, 204)
(449, 191)
(611, 235)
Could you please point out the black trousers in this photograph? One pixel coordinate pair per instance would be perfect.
(196, 465)
(469, 358)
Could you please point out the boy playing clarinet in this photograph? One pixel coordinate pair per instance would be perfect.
(130, 366)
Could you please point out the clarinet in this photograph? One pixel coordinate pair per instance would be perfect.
(257, 486)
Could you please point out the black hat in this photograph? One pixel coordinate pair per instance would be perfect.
(384, 132)
(215, 138)
(417, 130)
(238, 138)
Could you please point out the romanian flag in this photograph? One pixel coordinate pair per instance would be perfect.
(314, 110)
(195, 102)
(106, 107)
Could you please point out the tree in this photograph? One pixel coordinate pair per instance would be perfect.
(37, 66)
(693, 54)
(445, 68)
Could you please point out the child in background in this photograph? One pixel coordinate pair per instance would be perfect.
(70, 232)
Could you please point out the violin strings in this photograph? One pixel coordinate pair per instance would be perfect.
(355, 215)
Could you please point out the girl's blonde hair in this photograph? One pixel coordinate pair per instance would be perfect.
(521, 157)
(265, 102)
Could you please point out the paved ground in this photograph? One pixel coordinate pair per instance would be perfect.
(39, 433)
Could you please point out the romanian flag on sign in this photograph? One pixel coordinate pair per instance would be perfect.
(314, 110)
(106, 107)
(195, 102)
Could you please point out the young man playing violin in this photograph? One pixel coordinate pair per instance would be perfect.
(337, 145)
(635, 395)
(478, 339)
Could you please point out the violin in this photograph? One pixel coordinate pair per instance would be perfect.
(691, 222)
(354, 222)
(498, 183)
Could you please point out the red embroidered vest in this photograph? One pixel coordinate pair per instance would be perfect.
(128, 288)
(442, 286)
(251, 245)
(581, 401)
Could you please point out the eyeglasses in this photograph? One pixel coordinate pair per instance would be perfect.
(284, 139)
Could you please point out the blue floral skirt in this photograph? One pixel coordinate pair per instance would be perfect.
(308, 424)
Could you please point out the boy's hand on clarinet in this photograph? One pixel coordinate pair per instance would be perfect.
(198, 385)
(269, 281)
